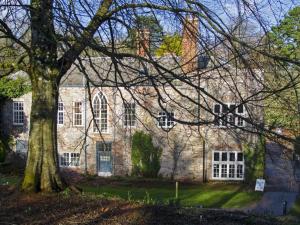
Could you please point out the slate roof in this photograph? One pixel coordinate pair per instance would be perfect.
(102, 71)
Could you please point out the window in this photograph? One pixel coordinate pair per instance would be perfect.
(228, 165)
(77, 117)
(69, 159)
(100, 113)
(21, 146)
(60, 113)
(18, 113)
(129, 115)
(166, 120)
(229, 115)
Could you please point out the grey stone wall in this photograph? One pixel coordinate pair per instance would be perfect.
(187, 150)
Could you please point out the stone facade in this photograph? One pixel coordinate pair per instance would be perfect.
(190, 151)
(187, 150)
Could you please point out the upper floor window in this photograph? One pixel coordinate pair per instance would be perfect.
(100, 113)
(60, 113)
(166, 120)
(228, 165)
(129, 115)
(77, 116)
(18, 113)
(229, 115)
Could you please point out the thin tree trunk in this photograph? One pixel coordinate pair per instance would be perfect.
(42, 171)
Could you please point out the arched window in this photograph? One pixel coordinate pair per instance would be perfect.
(100, 113)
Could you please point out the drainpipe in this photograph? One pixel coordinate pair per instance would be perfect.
(202, 139)
(85, 126)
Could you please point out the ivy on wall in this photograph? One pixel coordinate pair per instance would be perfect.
(13, 88)
(10, 88)
(144, 155)
(255, 160)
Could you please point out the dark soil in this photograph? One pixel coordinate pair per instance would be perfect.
(67, 208)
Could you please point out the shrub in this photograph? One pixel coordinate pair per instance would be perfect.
(2, 151)
(145, 156)
(297, 145)
(5, 142)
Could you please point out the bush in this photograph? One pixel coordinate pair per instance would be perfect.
(255, 160)
(145, 156)
(2, 151)
(5, 142)
(297, 145)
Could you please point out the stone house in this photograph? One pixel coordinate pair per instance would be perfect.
(95, 123)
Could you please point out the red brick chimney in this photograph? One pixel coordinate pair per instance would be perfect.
(143, 42)
(190, 37)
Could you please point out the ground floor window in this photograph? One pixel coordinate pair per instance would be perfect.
(69, 159)
(22, 148)
(228, 165)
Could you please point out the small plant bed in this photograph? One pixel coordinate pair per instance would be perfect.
(218, 195)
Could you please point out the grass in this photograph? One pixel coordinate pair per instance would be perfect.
(218, 195)
(207, 195)
(9, 180)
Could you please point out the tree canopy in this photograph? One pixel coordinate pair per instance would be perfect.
(283, 109)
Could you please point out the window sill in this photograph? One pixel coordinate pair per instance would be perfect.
(18, 124)
(228, 179)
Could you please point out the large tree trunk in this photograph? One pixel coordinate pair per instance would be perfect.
(42, 171)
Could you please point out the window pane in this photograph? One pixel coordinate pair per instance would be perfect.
(78, 113)
(224, 156)
(240, 122)
(231, 119)
(216, 156)
(18, 113)
(239, 172)
(74, 160)
(240, 109)
(100, 113)
(231, 171)
(64, 159)
(224, 171)
(129, 114)
(231, 108)
(240, 156)
(232, 156)
(225, 108)
(166, 120)
(103, 146)
(216, 172)
(217, 108)
(60, 113)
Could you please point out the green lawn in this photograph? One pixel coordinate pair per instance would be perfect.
(207, 195)
(9, 180)
(217, 195)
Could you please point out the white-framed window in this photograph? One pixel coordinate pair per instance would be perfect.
(60, 113)
(100, 113)
(77, 114)
(229, 114)
(18, 113)
(166, 120)
(228, 165)
(69, 159)
(21, 146)
(129, 115)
